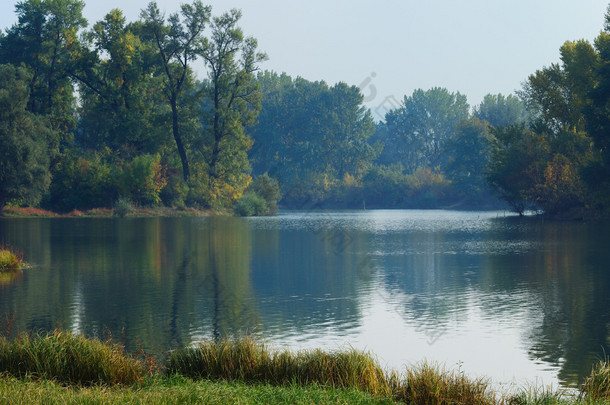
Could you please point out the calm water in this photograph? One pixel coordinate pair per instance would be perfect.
(511, 298)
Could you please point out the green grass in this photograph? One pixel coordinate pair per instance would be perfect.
(67, 358)
(61, 367)
(176, 391)
(248, 361)
(430, 384)
(10, 260)
(597, 384)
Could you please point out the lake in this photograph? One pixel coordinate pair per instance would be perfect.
(487, 293)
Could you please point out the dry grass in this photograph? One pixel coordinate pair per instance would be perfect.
(597, 384)
(9, 259)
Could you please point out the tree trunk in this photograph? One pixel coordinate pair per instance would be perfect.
(185, 165)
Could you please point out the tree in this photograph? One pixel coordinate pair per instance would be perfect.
(43, 39)
(500, 111)
(179, 42)
(122, 104)
(232, 103)
(24, 162)
(469, 150)
(419, 128)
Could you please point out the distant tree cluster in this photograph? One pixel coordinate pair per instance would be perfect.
(115, 112)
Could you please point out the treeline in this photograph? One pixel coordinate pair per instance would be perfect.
(115, 112)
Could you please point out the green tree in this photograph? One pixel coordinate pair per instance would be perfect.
(500, 111)
(179, 41)
(43, 39)
(419, 128)
(232, 103)
(311, 136)
(24, 161)
(469, 151)
(122, 105)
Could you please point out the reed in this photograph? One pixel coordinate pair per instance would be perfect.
(597, 384)
(430, 384)
(68, 358)
(248, 361)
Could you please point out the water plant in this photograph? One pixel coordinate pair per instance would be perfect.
(10, 260)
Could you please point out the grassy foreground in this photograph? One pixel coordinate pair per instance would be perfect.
(61, 368)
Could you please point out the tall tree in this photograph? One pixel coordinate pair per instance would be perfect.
(234, 103)
(423, 123)
(500, 111)
(24, 161)
(179, 41)
(43, 39)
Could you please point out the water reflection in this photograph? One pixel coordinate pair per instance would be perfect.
(503, 296)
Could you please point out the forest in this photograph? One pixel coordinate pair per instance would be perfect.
(115, 113)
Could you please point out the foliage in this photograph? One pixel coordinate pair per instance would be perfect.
(81, 183)
(234, 103)
(24, 161)
(267, 188)
(500, 111)
(68, 358)
(251, 205)
(418, 130)
(142, 180)
(122, 207)
(10, 260)
(310, 135)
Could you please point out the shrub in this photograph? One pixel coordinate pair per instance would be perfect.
(122, 207)
(267, 188)
(251, 204)
(10, 260)
(68, 358)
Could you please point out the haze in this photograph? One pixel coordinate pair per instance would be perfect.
(475, 47)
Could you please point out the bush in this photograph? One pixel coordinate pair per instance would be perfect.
(250, 204)
(267, 188)
(122, 207)
(10, 260)
(68, 358)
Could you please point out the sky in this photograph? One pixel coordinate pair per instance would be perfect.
(390, 48)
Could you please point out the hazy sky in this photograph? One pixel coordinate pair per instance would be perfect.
(472, 46)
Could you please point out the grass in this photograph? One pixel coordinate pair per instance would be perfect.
(61, 367)
(430, 384)
(10, 260)
(248, 361)
(67, 358)
(176, 391)
(597, 384)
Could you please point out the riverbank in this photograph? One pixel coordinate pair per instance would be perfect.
(61, 367)
(135, 212)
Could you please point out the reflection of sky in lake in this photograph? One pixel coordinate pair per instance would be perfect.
(514, 299)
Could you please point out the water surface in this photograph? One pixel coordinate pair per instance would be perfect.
(516, 299)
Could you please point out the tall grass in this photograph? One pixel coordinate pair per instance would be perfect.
(597, 384)
(430, 384)
(68, 358)
(10, 260)
(247, 361)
